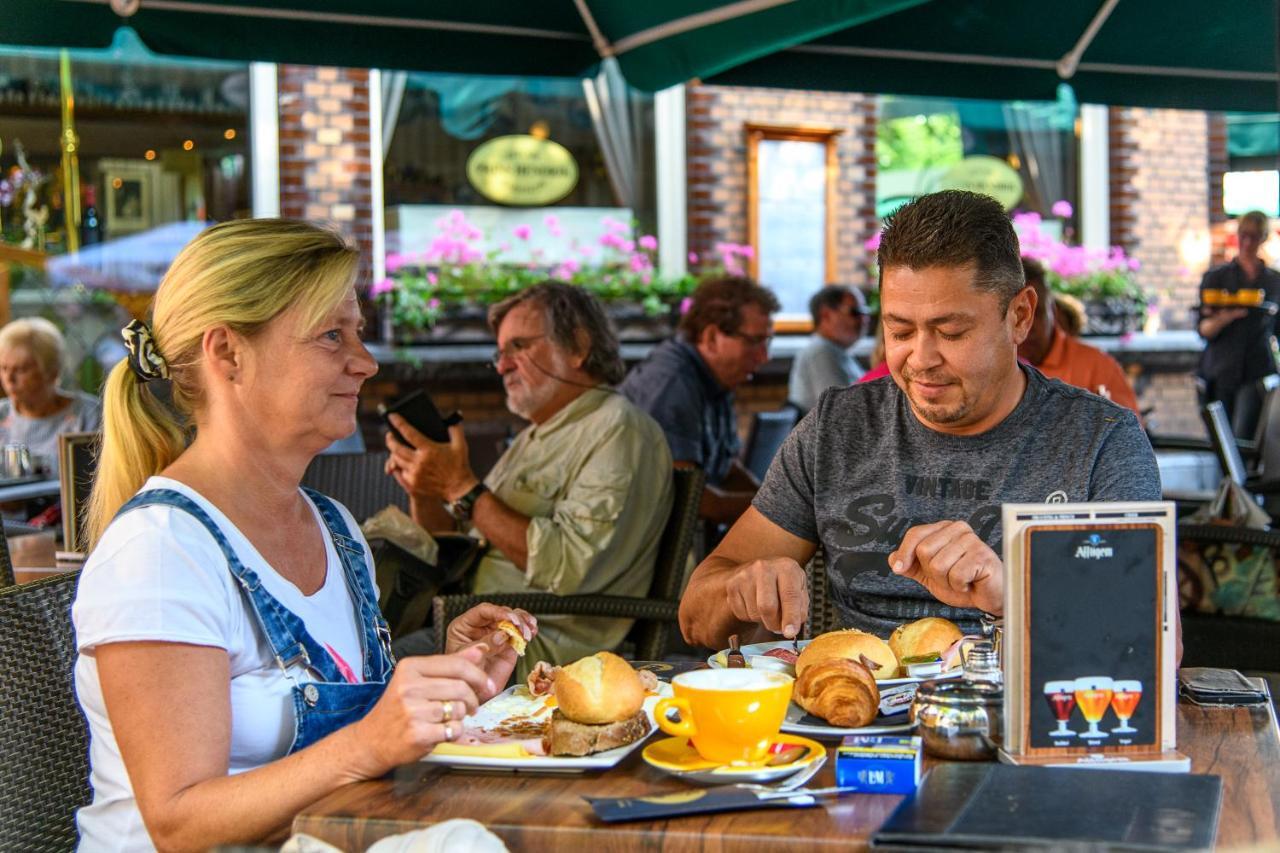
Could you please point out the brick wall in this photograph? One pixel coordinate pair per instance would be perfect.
(1160, 201)
(325, 167)
(716, 154)
(1175, 407)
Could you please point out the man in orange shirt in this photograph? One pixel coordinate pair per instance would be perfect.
(1061, 356)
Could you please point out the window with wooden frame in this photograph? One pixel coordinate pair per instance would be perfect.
(791, 200)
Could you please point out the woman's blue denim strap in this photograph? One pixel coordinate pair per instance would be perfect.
(378, 658)
(290, 641)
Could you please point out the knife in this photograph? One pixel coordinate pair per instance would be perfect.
(734, 659)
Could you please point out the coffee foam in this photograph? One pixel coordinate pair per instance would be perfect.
(732, 679)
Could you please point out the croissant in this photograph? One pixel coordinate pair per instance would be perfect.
(840, 691)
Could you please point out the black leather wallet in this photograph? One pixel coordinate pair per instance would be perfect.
(1212, 686)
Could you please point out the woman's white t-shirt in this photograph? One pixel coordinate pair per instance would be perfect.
(158, 574)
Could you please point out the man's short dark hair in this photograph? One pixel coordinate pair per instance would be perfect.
(1033, 272)
(569, 308)
(719, 302)
(955, 228)
(832, 296)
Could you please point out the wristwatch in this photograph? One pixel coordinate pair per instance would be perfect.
(462, 507)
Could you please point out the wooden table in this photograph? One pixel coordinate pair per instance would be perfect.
(547, 812)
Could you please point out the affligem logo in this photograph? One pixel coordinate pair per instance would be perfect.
(1094, 547)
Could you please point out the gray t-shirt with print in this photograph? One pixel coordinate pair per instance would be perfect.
(860, 470)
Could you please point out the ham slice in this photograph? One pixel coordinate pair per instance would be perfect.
(784, 655)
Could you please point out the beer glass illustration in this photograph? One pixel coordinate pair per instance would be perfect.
(1093, 695)
(1125, 696)
(1061, 696)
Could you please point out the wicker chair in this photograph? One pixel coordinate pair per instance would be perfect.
(823, 616)
(656, 614)
(6, 564)
(44, 747)
(1234, 642)
(357, 481)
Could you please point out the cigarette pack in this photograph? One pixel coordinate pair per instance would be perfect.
(879, 764)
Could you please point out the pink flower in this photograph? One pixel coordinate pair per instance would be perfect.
(648, 242)
(873, 243)
(381, 286)
(433, 304)
(686, 304)
(613, 225)
(566, 269)
(553, 224)
(693, 257)
(1135, 264)
(433, 278)
(1062, 208)
(395, 261)
(639, 263)
(627, 246)
(522, 232)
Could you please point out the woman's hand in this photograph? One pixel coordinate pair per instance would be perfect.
(478, 628)
(423, 706)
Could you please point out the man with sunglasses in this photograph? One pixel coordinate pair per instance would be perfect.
(577, 504)
(839, 313)
(687, 383)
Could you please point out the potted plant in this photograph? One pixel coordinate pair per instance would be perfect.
(1102, 280)
(444, 292)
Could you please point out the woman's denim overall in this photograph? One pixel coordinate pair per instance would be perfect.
(330, 702)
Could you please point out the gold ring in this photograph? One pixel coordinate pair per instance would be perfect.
(447, 713)
(448, 732)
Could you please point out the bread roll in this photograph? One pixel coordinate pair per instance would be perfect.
(840, 691)
(516, 638)
(599, 689)
(931, 635)
(851, 644)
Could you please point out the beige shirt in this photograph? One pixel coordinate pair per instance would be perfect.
(595, 480)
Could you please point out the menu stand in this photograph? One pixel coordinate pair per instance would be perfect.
(1089, 636)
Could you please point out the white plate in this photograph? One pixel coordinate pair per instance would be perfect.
(517, 701)
(756, 651)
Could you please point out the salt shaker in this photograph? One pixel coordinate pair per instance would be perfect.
(982, 663)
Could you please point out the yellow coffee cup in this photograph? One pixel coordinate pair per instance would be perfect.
(730, 715)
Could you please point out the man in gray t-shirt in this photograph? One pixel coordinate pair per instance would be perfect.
(901, 480)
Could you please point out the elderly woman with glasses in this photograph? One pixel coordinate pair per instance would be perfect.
(36, 410)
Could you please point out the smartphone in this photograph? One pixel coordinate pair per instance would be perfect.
(416, 408)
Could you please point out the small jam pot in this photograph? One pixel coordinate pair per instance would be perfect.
(960, 720)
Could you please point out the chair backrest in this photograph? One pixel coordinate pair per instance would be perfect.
(6, 563)
(44, 746)
(1267, 437)
(1224, 441)
(673, 552)
(77, 466)
(1205, 573)
(823, 615)
(358, 481)
(768, 431)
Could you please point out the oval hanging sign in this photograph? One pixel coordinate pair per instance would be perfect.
(522, 170)
(987, 175)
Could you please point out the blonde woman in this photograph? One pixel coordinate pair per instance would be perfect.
(233, 663)
(35, 410)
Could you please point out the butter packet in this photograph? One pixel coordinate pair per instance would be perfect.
(879, 764)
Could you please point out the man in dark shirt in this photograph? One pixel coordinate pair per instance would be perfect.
(1237, 350)
(686, 385)
(900, 480)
